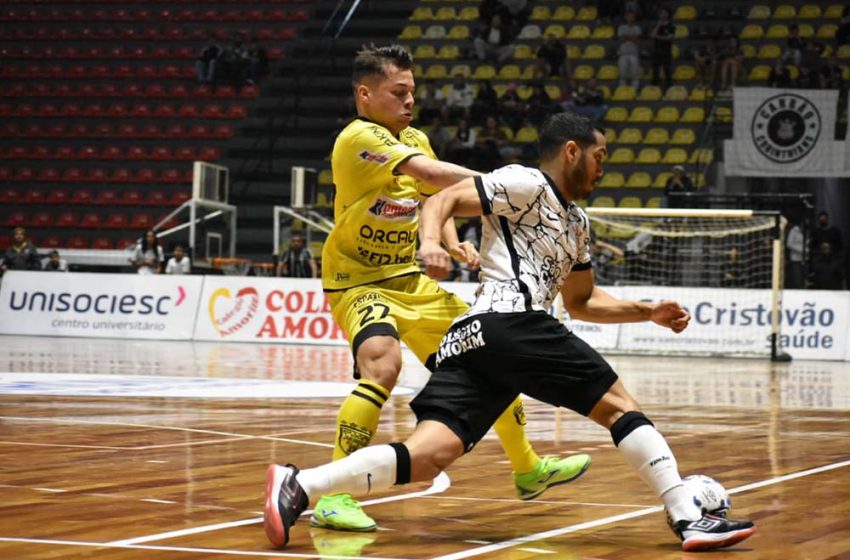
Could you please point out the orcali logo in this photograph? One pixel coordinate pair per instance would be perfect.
(229, 314)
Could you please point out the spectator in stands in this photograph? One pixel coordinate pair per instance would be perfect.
(705, 60)
(795, 278)
(830, 75)
(608, 10)
(842, 34)
(179, 263)
(589, 100)
(22, 255)
(258, 63)
(493, 145)
(552, 58)
(629, 51)
(440, 137)
(463, 144)
(205, 64)
(460, 97)
(731, 58)
(297, 261)
(677, 183)
(539, 105)
(432, 102)
(827, 233)
(515, 14)
(148, 257)
(662, 48)
(811, 64)
(827, 270)
(511, 107)
(54, 263)
(494, 41)
(486, 102)
(794, 46)
(780, 76)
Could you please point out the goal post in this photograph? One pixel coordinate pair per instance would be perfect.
(725, 266)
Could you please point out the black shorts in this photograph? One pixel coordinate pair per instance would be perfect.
(485, 361)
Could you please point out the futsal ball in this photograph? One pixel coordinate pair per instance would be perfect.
(708, 494)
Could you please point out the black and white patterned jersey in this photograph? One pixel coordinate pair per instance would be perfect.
(532, 239)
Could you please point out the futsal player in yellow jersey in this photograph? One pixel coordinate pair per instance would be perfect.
(383, 171)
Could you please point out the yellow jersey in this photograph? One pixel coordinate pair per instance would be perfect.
(376, 210)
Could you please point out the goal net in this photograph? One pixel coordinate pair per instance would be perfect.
(724, 266)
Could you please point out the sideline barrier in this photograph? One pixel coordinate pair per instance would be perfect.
(815, 324)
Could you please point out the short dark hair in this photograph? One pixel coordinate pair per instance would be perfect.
(560, 128)
(373, 61)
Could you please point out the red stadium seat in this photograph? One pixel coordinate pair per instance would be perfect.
(72, 174)
(131, 197)
(82, 197)
(161, 153)
(236, 112)
(91, 220)
(185, 153)
(106, 197)
(142, 221)
(122, 175)
(24, 174)
(171, 176)
(210, 153)
(58, 196)
(117, 221)
(51, 242)
(41, 220)
(101, 243)
(78, 242)
(156, 198)
(179, 198)
(97, 175)
(15, 219)
(145, 175)
(34, 196)
(66, 219)
(8, 195)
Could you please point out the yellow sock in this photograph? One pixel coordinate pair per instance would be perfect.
(510, 427)
(358, 418)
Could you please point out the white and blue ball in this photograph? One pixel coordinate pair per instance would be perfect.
(708, 494)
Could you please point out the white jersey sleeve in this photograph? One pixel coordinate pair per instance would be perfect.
(509, 191)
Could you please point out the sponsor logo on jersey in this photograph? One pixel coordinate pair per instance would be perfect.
(387, 208)
(380, 159)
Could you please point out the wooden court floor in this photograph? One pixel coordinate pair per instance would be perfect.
(139, 450)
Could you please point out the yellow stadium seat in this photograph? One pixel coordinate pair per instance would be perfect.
(603, 202)
(683, 137)
(630, 202)
(641, 115)
(593, 52)
(752, 31)
(639, 180)
(606, 93)
(699, 94)
(681, 32)
(809, 11)
(622, 155)
(610, 135)
(484, 72)
(807, 30)
(693, 115)
(508, 132)
(653, 202)
(624, 93)
(509, 72)
(650, 93)
(656, 136)
(529, 72)
(526, 134)
(608, 72)
(612, 180)
(553, 91)
(785, 11)
(541, 13)
(323, 201)
(648, 155)
(759, 12)
(661, 180)
(530, 31)
(564, 13)
(468, 13)
(760, 72)
(700, 180)
(630, 136)
(834, 11)
(586, 13)
(458, 32)
(684, 73)
(676, 93)
(617, 114)
(777, 31)
(436, 72)
(435, 32)
(326, 177)
(583, 72)
(449, 52)
(603, 32)
(749, 51)
(703, 156)
(524, 92)
(424, 51)
(667, 115)
(843, 51)
(418, 72)
(827, 31)
(523, 52)
(578, 32)
(460, 69)
(446, 13)
(556, 31)
(686, 12)
(723, 114)
(411, 32)
(769, 51)
(573, 52)
(422, 13)
(675, 156)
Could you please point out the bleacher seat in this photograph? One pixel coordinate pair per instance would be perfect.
(648, 156)
(639, 180)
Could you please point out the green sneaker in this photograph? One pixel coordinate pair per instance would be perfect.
(341, 513)
(550, 471)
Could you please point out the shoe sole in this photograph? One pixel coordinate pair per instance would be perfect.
(700, 543)
(272, 522)
(581, 472)
(316, 523)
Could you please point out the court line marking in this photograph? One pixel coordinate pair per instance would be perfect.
(624, 516)
(440, 484)
(519, 501)
(230, 552)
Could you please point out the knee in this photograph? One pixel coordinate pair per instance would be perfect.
(430, 460)
(383, 370)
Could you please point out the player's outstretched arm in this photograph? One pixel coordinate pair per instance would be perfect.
(459, 200)
(440, 174)
(586, 301)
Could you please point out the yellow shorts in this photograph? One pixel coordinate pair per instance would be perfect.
(413, 308)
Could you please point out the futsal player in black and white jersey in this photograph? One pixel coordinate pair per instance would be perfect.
(536, 243)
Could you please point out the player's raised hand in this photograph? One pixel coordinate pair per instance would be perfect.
(467, 253)
(438, 262)
(671, 315)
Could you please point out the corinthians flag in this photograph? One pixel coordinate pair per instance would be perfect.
(785, 133)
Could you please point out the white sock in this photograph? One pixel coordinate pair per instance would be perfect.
(648, 453)
(364, 471)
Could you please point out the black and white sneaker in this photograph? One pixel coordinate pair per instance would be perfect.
(711, 531)
(285, 501)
